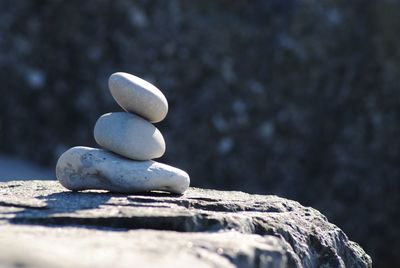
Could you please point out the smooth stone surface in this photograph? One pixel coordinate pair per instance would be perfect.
(138, 96)
(201, 228)
(129, 135)
(82, 168)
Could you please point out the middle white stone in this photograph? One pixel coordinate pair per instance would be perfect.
(129, 135)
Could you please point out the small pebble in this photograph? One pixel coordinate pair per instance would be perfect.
(138, 96)
(129, 135)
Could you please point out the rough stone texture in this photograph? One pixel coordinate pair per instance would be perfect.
(80, 247)
(206, 228)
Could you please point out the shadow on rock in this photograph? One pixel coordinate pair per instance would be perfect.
(60, 205)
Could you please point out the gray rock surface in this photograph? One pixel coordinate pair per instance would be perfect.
(129, 135)
(84, 168)
(136, 248)
(42, 225)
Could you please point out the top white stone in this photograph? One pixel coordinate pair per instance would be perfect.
(138, 96)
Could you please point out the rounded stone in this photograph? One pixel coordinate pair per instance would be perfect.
(138, 96)
(84, 168)
(129, 135)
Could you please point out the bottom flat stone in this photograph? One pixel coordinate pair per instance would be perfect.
(83, 168)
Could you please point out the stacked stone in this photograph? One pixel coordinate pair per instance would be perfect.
(130, 141)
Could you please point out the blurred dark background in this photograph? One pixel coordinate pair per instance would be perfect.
(294, 98)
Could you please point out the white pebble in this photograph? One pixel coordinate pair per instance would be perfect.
(138, 96)
(129, 135)
(82, 168)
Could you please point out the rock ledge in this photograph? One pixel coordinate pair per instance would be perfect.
(43, 225)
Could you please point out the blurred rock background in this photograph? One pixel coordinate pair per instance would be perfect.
(294, 98)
